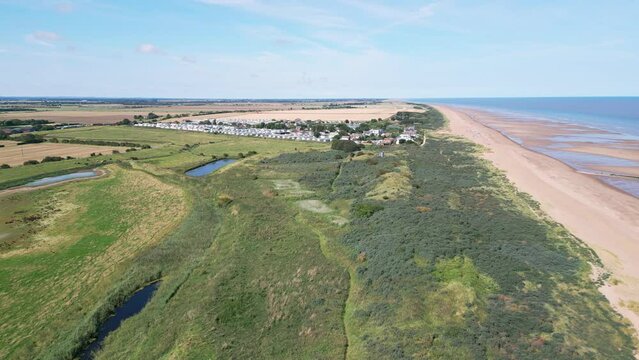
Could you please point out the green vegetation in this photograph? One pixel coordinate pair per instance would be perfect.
(18, 122)
(366, 210)
(345, 145)
(430, 119)
(297, 252)
(29, 139)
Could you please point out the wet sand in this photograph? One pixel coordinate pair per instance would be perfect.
(602, 216)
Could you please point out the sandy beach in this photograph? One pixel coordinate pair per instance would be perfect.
(603, 217)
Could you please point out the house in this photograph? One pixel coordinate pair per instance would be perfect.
(374, 132)
(387, 141)
(404, 137)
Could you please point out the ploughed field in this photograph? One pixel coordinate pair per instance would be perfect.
(14, 155)
(295, 252)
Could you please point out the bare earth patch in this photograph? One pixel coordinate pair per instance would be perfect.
(290, 188)
(314, 206)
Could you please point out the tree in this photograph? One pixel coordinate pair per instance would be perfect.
(152, 116)
(30, 139)
(346, 145)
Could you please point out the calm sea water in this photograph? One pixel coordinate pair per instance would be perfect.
(617, 118)
(616, 114)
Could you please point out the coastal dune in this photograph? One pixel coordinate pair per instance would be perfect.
(605, 218)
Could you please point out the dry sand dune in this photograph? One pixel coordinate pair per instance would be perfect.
(603, 217)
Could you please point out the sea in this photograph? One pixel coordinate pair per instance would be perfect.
(611, 122)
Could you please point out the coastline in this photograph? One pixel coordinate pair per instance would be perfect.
(605, 218)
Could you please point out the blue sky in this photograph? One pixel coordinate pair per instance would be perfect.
(313, 49)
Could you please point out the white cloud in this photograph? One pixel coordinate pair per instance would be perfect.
(64, 7)
(149, 49)
(187, 59)
(394, 12)
(152, 49)
(294, 12)
(45, 38)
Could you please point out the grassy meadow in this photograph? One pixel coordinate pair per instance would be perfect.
(297, 252)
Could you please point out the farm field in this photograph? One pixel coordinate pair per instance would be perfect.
(296, 252)
(13, 154)
(113, 112)
(360, 113)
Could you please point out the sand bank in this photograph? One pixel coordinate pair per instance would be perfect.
(601, 216)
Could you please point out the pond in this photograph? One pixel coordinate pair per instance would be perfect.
(130, 307)
(57, 179)
(209, 168)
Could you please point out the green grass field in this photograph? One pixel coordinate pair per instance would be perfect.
(298, 252)
(168, 150)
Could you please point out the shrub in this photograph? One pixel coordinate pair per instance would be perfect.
(29, 139)
(31, 162)
(367, 209)
(116, 152)
(5, 166)
(52, 158)
(346, 145)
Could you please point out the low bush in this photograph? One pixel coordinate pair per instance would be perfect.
(52, 158)
(366, 209)
(346, 145)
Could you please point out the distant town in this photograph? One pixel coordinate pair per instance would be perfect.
(374, 132)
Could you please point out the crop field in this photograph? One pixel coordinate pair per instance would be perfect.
(13, 154)
(296, 252)
(383, 111)
(114, 112)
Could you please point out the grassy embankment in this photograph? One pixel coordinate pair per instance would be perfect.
(426, 253)
(173, 149)
(446, 259)
(65, 249)
(69, 289)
